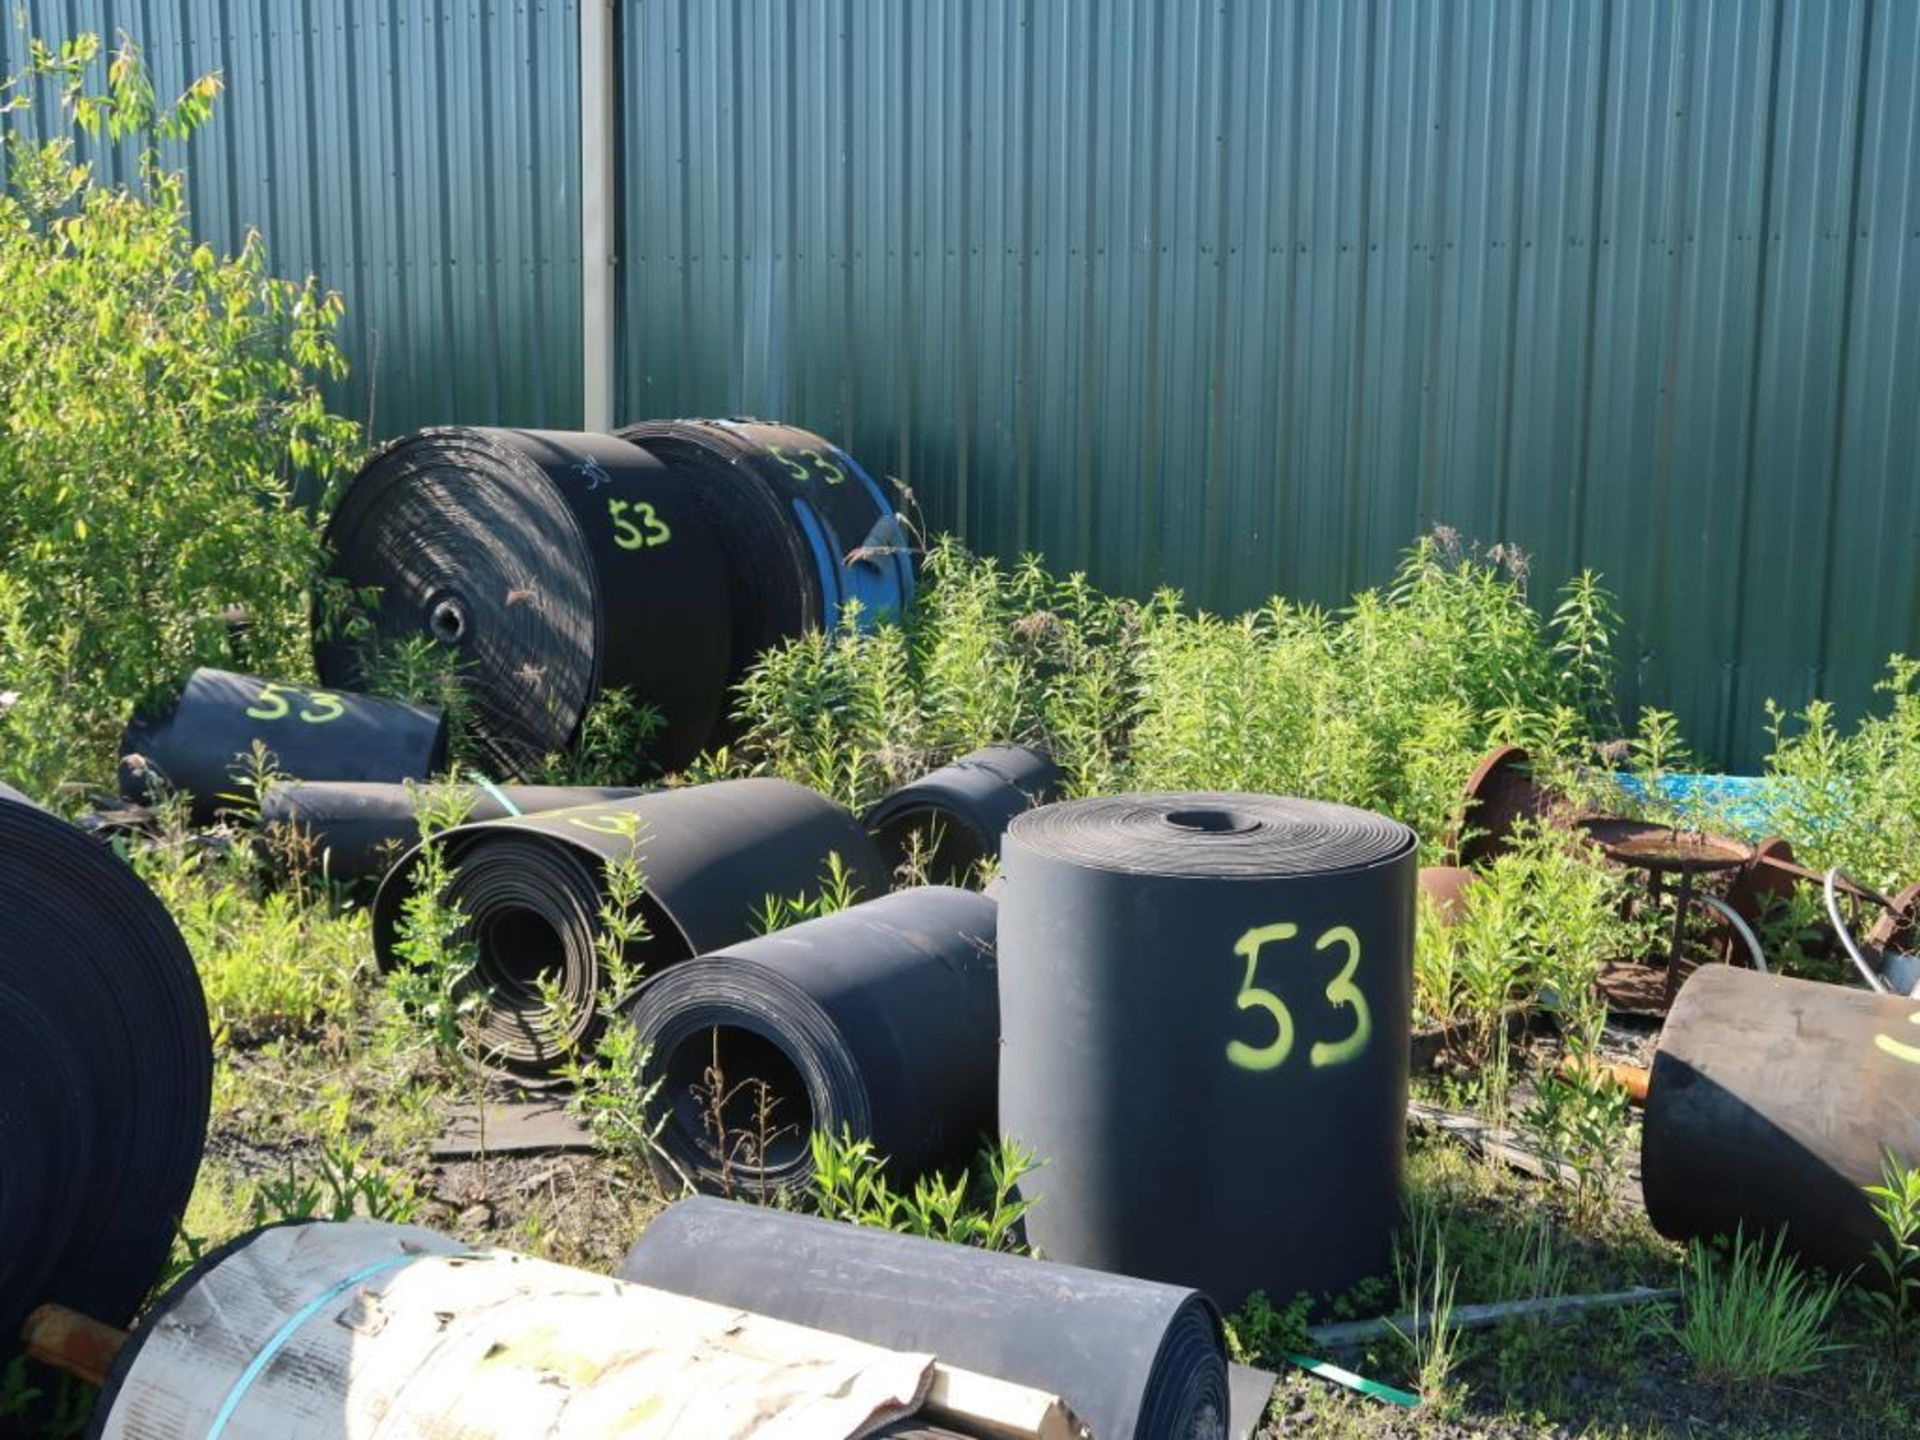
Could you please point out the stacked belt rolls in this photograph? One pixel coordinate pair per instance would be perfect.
(1136, 1360)
(531, 889)
(554, 566)
(879, 1020)
(106, 1070)
(1222, 983)
(808, 531)
(203, 743)
(950, 820)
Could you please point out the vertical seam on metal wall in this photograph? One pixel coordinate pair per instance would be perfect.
(1583, 454)
(1843, 367)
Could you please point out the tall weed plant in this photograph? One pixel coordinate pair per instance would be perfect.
(157, 401)
(1386, 703)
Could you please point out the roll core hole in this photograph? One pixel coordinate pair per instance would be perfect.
(1212, 822)
(517, 948)
(448, 621)
(738, 1100)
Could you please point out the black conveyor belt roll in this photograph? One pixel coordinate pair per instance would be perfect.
(1136, 1360)
(951, 819)
(1204, 1005)
(530, 886)
(553, 565)
(202, 744)
(106, 1070)
(879, 1020)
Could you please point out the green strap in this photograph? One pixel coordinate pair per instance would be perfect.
(1352, 1381)
(495, 791)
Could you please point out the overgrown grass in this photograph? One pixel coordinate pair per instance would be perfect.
(1752, 1315)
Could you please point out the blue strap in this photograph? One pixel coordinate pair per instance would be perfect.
(495, 791)
(287, 1331)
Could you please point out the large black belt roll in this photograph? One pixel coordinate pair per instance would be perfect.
(1772, 1102)
(202, 744)
(806, 528)
(554, 565)
(358, 831)
(531, 890)
(951, 819)
(1136, 1360)
(1204, 1005)
(106, 1070)
(880, 1019)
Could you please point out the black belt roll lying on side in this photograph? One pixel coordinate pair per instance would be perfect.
(358, 831)
(202, 744)
(106, 1070)
(553, 565)
(880, 1019)
(1135, 1359)
(531, 889)
(951, 819)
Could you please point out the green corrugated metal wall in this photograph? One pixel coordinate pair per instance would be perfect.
(421, 159)
(1236, 296)
(1241, 296)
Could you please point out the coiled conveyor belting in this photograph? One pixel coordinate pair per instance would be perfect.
(554, 565)
(357, 831)
(808, 531)
(106, 1070)
(880, 1020)
(531, 889)
(202, 743)
(1222, 982)
(950, 820)
(1136, 1360)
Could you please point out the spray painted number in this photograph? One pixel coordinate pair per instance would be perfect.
(1341, 993)
(795, 461)
(1909, 1053)
(318, 708)
(640, 529)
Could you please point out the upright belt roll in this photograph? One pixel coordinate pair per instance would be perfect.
(1205, 1010)
(552, 565)
(879, 1020)
(203, 743)
(1772, 1103)
(106, 1070)
(531, 889)
(358, 831)
(951, 819)
(1136, 1360)
(807, 530)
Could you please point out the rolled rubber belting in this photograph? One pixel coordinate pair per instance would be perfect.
(807, 529)
(953, 817)
(1772, 1101)
(106, 1071)
(530, 887)
(202, 744)
(359, 830)
(553, 565)
(1204, 1004)
(1135, 1359)
(880, 1019)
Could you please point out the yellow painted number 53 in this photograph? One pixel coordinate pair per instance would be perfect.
(1341, 993)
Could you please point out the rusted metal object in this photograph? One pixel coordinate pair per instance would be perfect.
(1772, 1102)
(1500, 795)
(1447, 886)
(70, 1341)
(1898, 927)
(1660, 851)
(1631, 1078)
